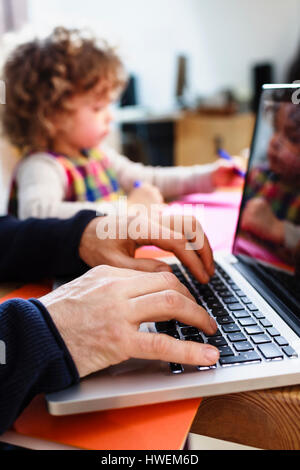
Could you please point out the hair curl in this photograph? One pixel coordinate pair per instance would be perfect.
(42, 75)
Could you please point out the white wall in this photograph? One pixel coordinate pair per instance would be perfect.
(223, 38)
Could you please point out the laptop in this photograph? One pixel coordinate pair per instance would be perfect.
(254, 295)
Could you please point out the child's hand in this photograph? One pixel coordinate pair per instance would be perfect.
(226, 175)
(259, 219)
(146, 194)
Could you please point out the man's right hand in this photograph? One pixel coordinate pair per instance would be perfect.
(99, 315)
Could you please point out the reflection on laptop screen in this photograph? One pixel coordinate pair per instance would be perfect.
(269, 225)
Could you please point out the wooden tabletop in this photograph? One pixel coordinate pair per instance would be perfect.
(265, 419)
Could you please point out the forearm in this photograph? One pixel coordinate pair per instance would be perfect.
(171, 181)
(36, 359)
(34, 249)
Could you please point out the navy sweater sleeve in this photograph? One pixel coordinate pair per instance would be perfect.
(34, 249)
(33, 357)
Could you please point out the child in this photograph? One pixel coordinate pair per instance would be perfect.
(58, 95)
(272, 211)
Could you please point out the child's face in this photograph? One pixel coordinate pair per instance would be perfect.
(88, 123)
(284, 148)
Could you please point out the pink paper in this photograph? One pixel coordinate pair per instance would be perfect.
(218, 215)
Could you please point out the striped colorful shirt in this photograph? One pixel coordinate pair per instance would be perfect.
(89, 178)
(283, 198)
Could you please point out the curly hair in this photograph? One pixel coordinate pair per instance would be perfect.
(42, 75)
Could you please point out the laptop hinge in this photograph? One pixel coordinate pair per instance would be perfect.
(259, 282)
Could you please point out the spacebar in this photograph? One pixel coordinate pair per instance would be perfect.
(249, 356)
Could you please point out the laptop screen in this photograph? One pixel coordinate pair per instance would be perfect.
(268, 232)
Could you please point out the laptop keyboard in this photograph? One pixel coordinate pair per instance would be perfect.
(244, 335)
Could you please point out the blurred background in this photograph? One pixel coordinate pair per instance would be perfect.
(196, 67)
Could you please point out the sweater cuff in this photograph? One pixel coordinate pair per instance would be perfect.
(70, 242)
(73, 373)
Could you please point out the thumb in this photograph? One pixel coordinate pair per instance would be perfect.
(146, 265)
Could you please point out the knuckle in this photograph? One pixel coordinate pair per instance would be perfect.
(173, 298)
(159, 344)
(189, 353)
(102, 270)
(170, 279)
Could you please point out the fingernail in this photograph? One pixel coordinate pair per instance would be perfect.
(211, 354)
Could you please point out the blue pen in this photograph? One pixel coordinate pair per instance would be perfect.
(226, 156)
(137, 184)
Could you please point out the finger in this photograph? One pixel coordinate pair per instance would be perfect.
(195, 234)
(142, 284)
(169, 305)
(162, 347)
(145, 265)
(206, 255)
(169, 240)
(185, 253)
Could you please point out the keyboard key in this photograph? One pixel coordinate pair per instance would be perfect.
(233, 286)
(249, 356)
(189, 331)
(235, 307)
(165, 326)
(289, 351)
(225, 351)
(196, 339)
(270, 351)
(247, 321)
(224, 293)
(265, 322)
(231, 328)
(233, 337)
(230, 300)
(214, 304)
(245, 300)
(281, 341)
(252, 307)
(218, 341)
(243, 346)
(241, 314)
(225, 320)
(253, 330)
(239, 293)
(219, 312)
(273, 332)
(258, 315)
(261, 339)
(206, 367)
(176, 368)
(173, 333)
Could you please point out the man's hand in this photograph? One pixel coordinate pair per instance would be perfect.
(175, 238)
(99, 315)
